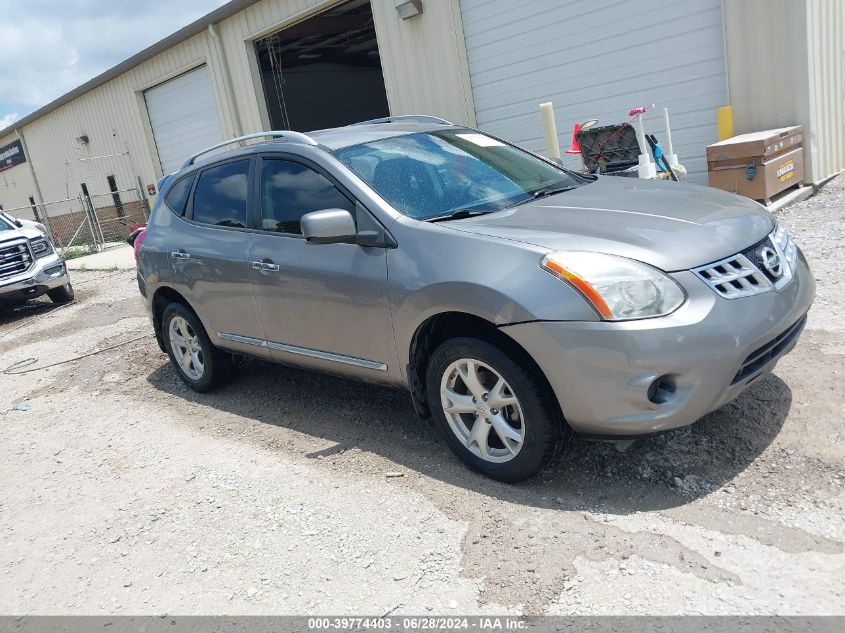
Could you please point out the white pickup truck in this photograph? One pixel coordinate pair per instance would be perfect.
(29, 265)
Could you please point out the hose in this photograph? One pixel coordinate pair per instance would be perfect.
(20, 367)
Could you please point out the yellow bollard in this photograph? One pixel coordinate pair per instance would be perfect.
(725, 122)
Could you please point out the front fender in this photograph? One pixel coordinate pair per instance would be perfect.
(437, 270)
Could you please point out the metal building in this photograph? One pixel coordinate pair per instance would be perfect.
(88, 161)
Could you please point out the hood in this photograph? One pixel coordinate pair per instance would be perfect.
(17, 233)
(673, 226)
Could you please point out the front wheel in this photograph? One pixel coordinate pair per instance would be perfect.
(493, 409)
(62, 294)
(197, 361)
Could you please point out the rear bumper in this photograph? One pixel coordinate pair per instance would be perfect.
(704, 355)
(47, 273)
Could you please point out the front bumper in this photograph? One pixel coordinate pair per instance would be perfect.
(46, 273)
(695, 360)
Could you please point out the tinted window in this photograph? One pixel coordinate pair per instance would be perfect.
(290, 190)
(177, 197)
(220, 195)
(437, 173)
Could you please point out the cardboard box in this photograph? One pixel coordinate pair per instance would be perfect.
(762, 144)
(756, 179)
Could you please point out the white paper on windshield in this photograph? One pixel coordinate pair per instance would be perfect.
(481, 140)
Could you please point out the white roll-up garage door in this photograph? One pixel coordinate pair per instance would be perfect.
(598, 59)
(183, 115)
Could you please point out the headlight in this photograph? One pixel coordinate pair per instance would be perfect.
(41, 247)
(618, 288)
(784, 242)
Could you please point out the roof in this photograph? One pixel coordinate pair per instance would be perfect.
(348, 135)
(330, 139)
(218, 15)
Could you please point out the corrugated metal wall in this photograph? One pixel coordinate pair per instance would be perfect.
(16, 184)
(826, 74)
(424, 68)
(113, 117)
(238, 34)
(598, 58)
(786, 66)
(767, 61)
(422, 59)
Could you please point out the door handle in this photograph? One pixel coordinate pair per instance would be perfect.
(265, 266)
(180, 255)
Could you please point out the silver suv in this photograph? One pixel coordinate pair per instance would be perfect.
(29, 265)
(517, 301)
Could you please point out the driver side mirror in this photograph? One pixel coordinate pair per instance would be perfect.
(329, 226)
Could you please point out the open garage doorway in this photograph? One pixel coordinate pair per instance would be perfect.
(324, 71)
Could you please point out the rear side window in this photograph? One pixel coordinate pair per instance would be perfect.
(220, 195)
(177, 197)
(290, 190)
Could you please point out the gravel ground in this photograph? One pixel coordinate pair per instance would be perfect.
(294, 492)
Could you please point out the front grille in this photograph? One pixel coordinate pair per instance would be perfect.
(734, 277)
(15, 258)
(762, 356)
(767, 265)
(754, 255)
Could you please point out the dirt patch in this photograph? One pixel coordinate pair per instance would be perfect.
(125, 491)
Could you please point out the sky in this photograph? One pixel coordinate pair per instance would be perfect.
(48, 47)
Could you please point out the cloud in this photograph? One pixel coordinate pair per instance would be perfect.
(51, 47)
(7, 119)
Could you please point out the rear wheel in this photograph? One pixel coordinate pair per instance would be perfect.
(197, 361)
(493, 409)
(62, 294)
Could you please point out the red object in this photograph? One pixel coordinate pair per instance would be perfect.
(151, 189)
(574, 148)
(640, 110)
(139, 239)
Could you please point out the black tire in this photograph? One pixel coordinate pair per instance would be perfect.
(217, 364)
(546, 432)
(62, 294)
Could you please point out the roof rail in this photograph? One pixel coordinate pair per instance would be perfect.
(293, 137)
(422, 118)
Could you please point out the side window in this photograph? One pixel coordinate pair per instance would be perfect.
(290, 190)
(220, 195)
(177, 197)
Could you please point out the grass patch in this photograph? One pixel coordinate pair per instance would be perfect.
(72, 252)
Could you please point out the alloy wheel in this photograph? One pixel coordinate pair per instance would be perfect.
(187, 349)
(482, 410)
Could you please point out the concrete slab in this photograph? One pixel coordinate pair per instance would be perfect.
(119, 257)
(790, 196)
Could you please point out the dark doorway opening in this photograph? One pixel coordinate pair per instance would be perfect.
(324, 71)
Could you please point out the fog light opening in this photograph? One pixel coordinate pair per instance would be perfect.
(661, 390)
(55, 270)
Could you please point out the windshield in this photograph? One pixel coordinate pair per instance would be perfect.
(5, 226)
(435, 174)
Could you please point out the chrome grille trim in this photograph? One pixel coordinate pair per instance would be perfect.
(734, 277)
(15, 258)
(744, 274)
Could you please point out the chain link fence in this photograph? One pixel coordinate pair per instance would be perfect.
(91, 222)
(116, 214)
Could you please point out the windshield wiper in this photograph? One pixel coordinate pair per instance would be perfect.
(550, 191)
(460, 214)
(542, 193)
